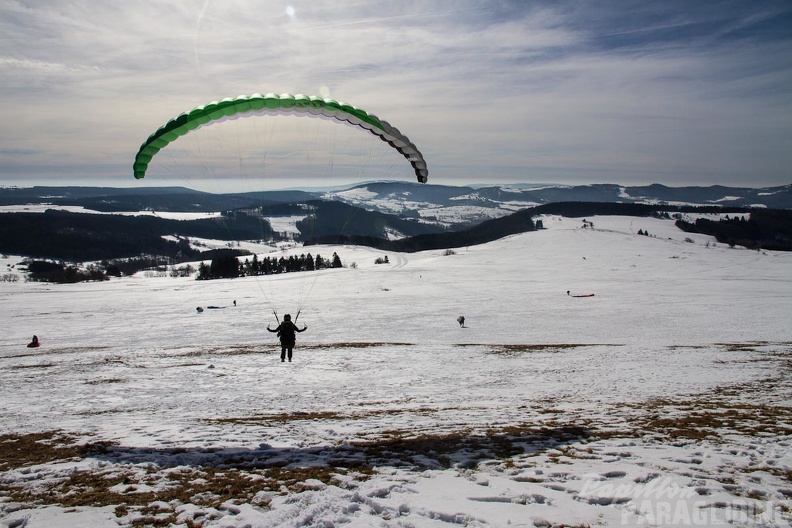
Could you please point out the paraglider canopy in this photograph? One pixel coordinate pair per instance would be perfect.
(278, 104)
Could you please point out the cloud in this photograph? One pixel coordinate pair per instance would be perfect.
(509, 91)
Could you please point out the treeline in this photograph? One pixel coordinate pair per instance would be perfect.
(172, 199)
(228, 265)
(61, 272)
(330, 219)
(519, 222)
(44, 271)
(78, 237)
(761, 229)
(83, 237)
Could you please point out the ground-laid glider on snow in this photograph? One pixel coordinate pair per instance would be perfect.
(278, 104)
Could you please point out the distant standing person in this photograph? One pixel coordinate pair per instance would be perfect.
(34, 343)
(286, 331)
(461, 321)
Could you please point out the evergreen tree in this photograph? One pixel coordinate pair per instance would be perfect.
(224, 267)
(203, 271)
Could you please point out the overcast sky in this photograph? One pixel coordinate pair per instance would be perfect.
(628, 91)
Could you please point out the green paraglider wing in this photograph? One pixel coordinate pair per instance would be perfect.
(276, 104)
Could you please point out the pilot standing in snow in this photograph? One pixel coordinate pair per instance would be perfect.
(286, 331)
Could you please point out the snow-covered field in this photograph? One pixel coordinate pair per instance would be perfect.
(664, 400)
(40, 208)
(447, 216)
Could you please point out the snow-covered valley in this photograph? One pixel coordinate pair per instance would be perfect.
(663, 400)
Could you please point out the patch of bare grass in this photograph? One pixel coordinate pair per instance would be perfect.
(514, 349)
(145, 492)
(183, 365)
(280, 418)
(352, 344)
(284, 418)
(144, 489)
(703, 418)
(751, 346)
(100, 413)
(464, 447)
(755, 408)
(37, 366)
(269, 348)
(230, 350)
(21, 450)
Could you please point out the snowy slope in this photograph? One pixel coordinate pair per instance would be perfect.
(663, 400)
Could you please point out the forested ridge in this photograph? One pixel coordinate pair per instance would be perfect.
(771, 229)
(761, 229)
(79, 237)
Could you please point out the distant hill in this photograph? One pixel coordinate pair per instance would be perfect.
(442, 205)
(172, 199)
(79, 237)
(447, 205)
(755, 229)
(62, 235)
(397, 216)
(493, 229)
